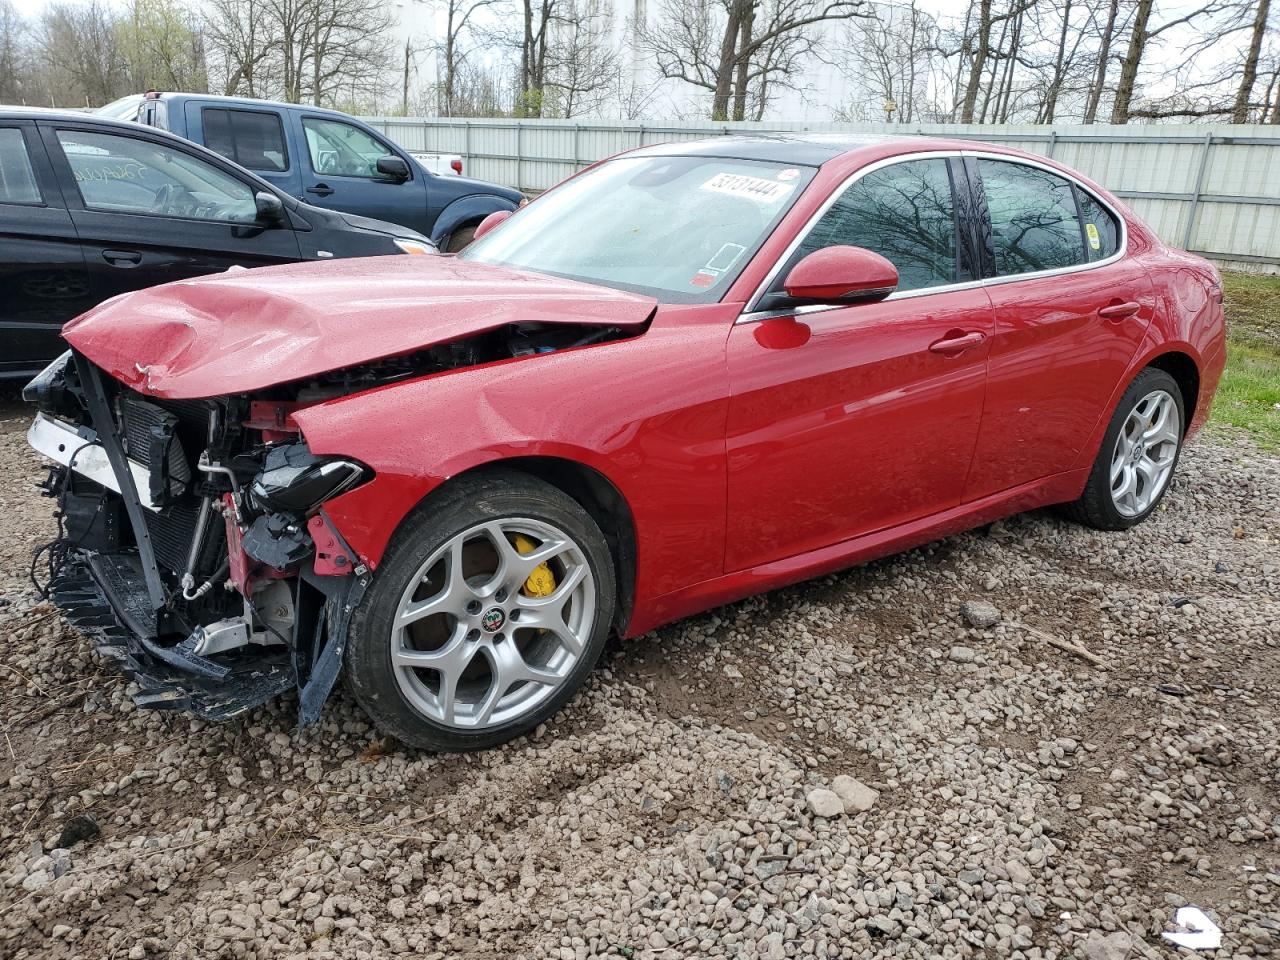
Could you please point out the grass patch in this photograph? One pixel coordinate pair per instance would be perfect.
(1250, 387)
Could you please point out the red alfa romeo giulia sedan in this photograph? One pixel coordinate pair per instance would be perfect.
(690, 373)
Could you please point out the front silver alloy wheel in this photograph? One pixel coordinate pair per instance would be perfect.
(493, 623)
(1145, 452)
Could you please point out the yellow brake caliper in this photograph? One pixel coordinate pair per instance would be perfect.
(542, 582)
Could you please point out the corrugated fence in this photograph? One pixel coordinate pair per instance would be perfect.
(1214, 190)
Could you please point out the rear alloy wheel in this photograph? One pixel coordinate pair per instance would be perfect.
(1138, 456)
(485, 617)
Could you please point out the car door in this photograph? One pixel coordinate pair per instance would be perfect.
(849, 420)
(1070, 312)
(43, 281)
(148, 210)
(255, 139)
(341, 173)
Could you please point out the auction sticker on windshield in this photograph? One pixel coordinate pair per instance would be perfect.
(752, 188)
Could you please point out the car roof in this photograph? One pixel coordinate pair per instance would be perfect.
(804, 149)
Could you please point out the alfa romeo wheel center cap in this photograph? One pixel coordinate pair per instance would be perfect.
(493, 620)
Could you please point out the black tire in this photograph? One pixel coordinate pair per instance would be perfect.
(461, 238)
(1096, 508)
(463, 504)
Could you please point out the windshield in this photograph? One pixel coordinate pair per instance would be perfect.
(676, 228)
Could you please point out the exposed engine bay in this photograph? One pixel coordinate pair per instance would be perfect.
(193, 546)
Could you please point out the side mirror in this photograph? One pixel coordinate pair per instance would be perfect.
(491, 221)
(268, 206)
(841, 275)
(393, 167)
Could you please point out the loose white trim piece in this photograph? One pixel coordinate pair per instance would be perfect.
(60, 441)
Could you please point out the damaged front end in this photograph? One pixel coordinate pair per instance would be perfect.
(193, 546)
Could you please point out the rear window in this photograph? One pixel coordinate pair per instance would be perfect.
(1101, 229)
(17, 179)
(252, 138)
(1034, 221)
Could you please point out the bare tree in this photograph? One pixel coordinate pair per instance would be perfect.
(1104, 55)
(1141, 36)
(163, 46)
(1249, 75)
(459, 22)
(978, 39)
(83, 61)
(14, 68)
(317, 51)
(238, 36)
(583, 59)
(725, 45)
(892, 59)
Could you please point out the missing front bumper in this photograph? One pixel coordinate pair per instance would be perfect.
(105, 598)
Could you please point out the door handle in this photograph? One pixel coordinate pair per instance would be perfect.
(1118, 311)
(122, 258)
(956, 343)
(320, 189)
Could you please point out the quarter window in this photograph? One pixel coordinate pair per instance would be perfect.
(17, 179)
(1034, 222)
(252, 138)
(1101, 229)
(338, 149)
(119, 174)
(905, 213)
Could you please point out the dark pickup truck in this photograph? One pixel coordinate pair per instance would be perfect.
(326, 158)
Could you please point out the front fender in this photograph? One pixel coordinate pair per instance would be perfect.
(464, 210)
(647, 412)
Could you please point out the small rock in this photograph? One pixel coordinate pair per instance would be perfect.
(80, 827)
(856, 796)
(1116, 946)
(825, 803)
(1018, 872)
(61, 861)
(770, 868)
(961, 654)
(980, 613)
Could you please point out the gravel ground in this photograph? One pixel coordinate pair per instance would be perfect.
(847, 768)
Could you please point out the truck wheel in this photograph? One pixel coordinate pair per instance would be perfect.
(461, 238)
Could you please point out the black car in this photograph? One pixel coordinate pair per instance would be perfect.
(92, 207)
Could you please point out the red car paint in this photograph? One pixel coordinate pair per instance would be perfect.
(749, 455)
(242, 331)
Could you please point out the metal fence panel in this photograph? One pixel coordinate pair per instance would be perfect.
(1214, 190)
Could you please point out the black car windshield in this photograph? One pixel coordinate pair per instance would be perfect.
(677, 228)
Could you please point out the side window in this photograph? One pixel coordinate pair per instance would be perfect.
(1034, 222)
(252, 138)
(342, 150)
(1101, 229)
(17, 179)
(905, 213)
(122, 175)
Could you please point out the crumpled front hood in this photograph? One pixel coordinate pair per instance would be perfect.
(248, 329)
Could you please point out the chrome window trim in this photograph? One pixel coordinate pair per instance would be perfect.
(751, 315)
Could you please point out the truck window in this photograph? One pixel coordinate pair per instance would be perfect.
(340, 149)
(252, 138)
